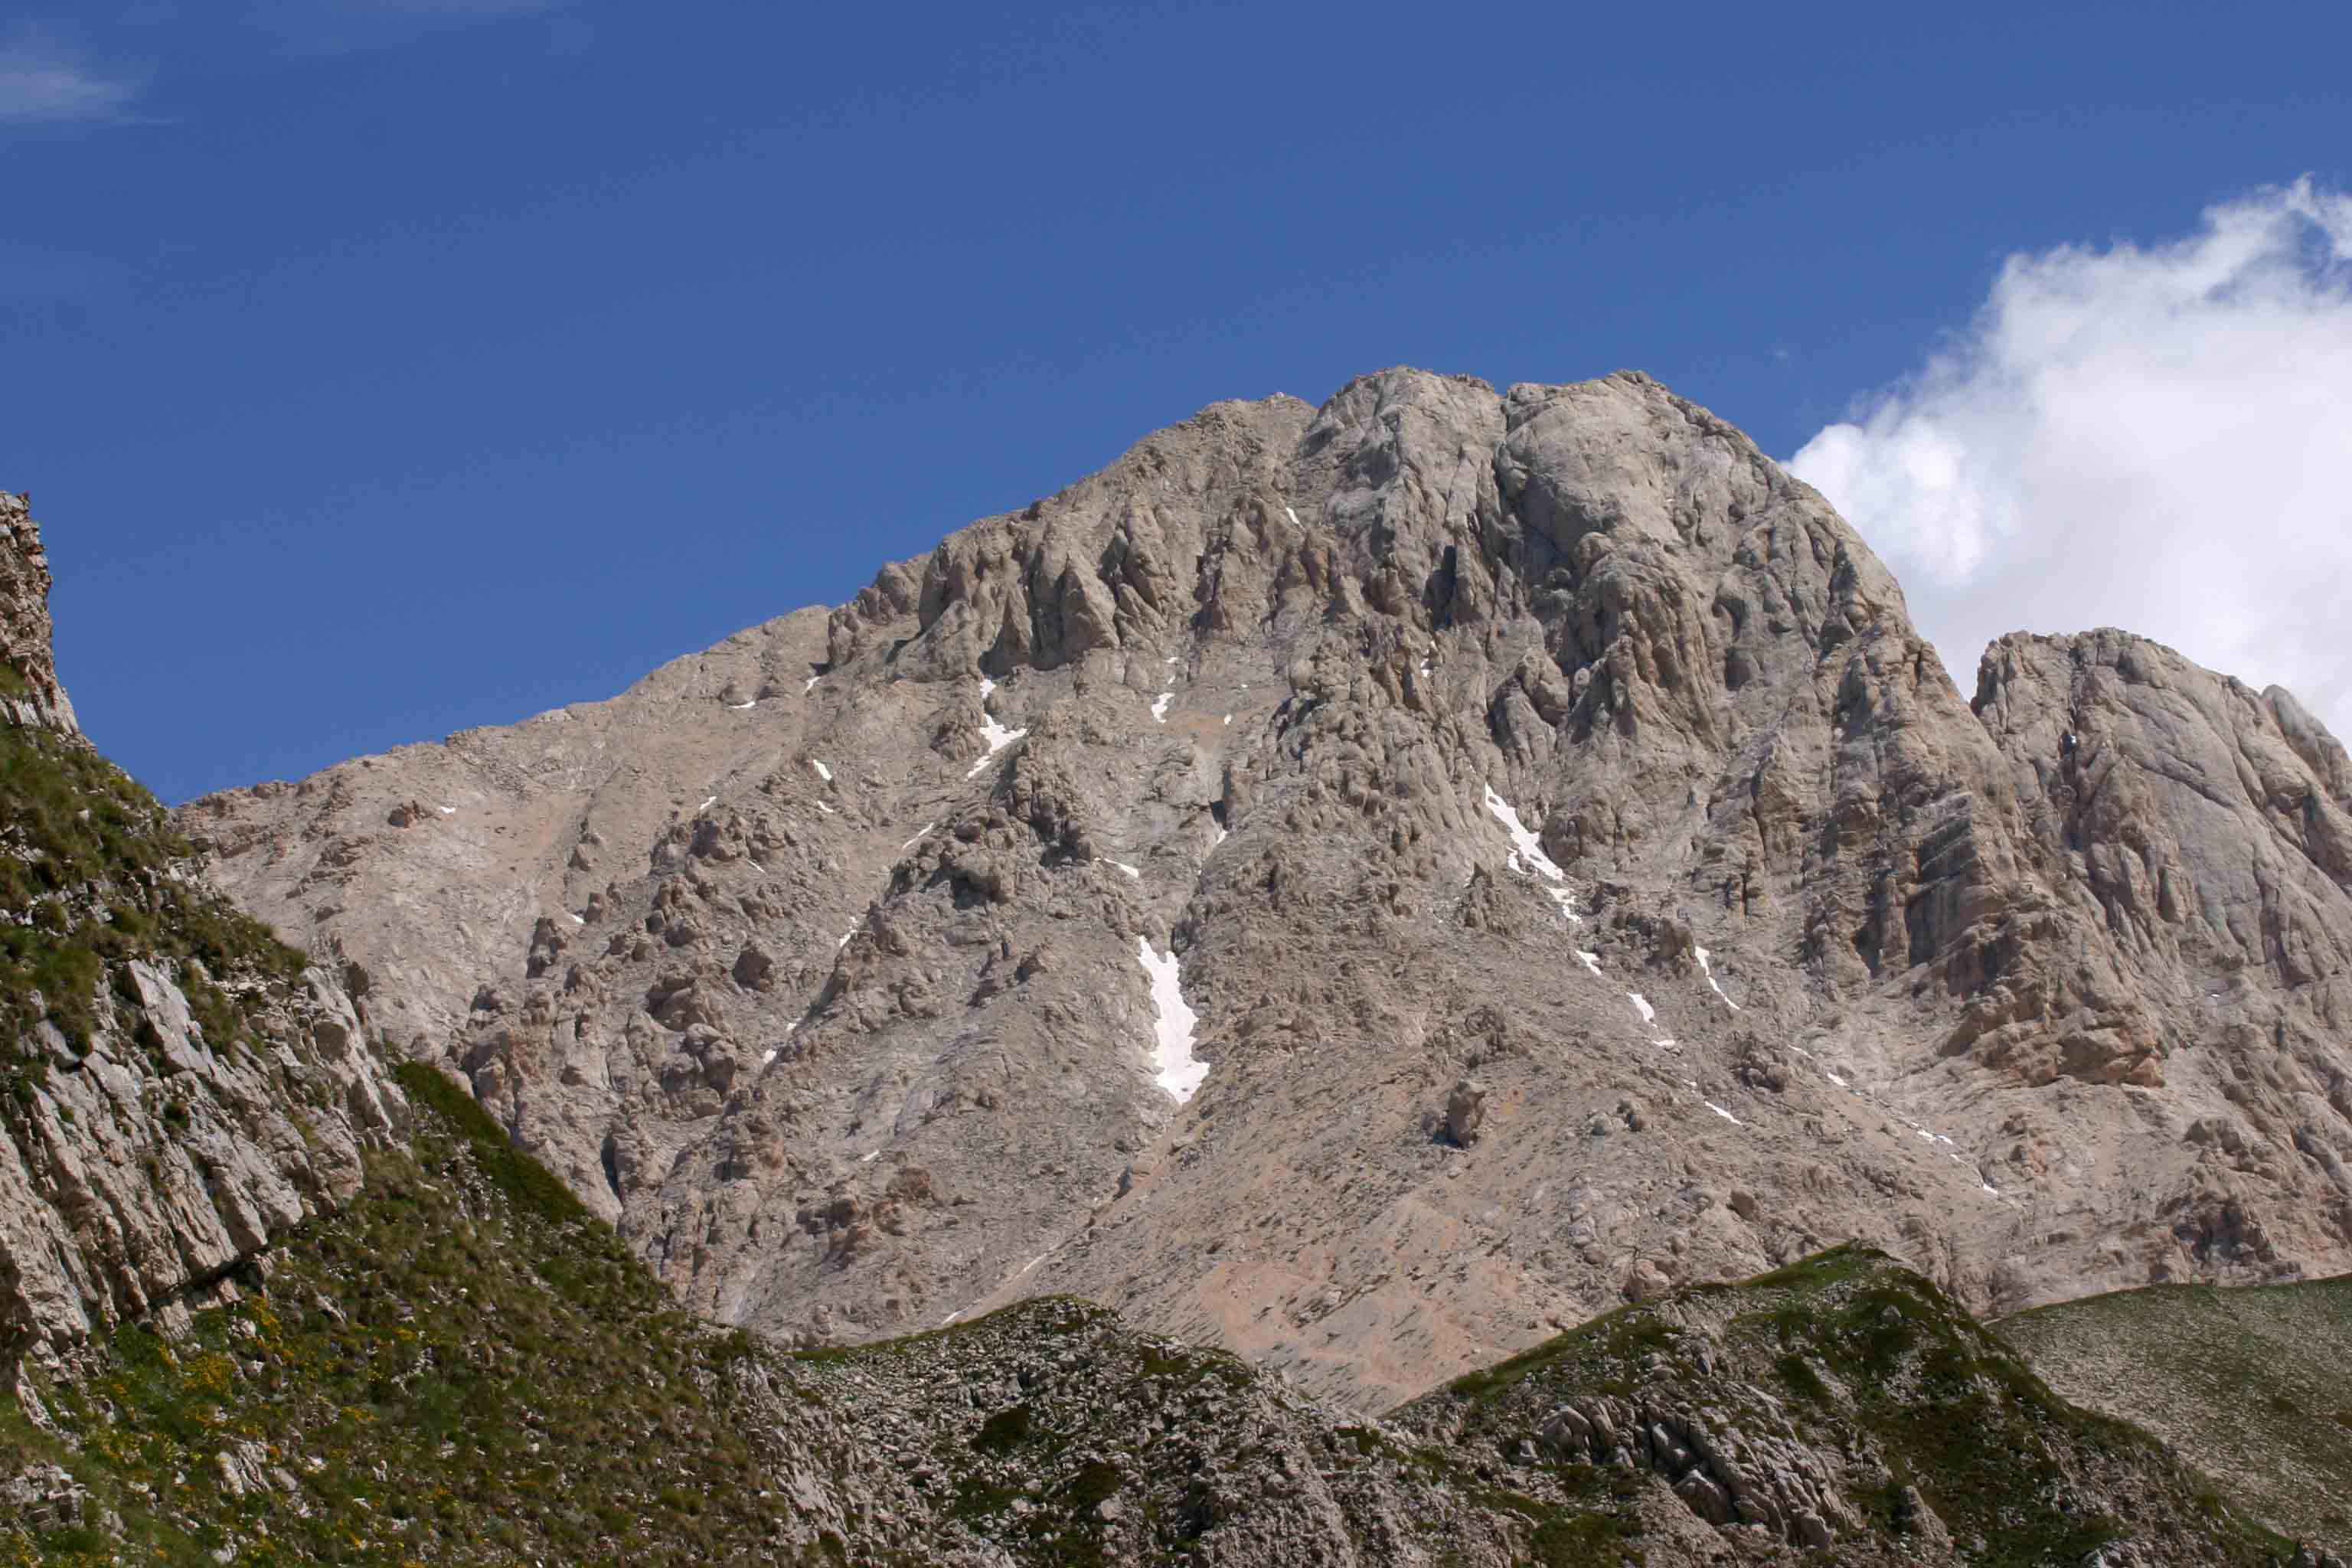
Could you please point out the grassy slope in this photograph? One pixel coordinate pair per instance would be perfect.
(2254, 1384)
(1870, 1357)
(463, 1367)
(88, 862)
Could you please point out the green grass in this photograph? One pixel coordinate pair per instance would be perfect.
(86, 882)
(1872, 1358)
(2250, 1383)
(455, 1370)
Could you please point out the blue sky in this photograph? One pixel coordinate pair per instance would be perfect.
(382, 369)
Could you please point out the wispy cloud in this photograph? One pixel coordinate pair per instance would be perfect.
(2154, 439)
(42, 82)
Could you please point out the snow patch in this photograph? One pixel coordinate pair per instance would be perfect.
(844, 940)
(1132, 873)
(821, 771)
(812, 684)
(993, 735)
(918, 838)
(1526, 855)
(1725, 1114)
(769, 1058)
(578, 921)
(824, 808)
(449, 811)
(869, 1156)
(1835, 1080)
(1293, 517)
(1159, 706)
(1708, 970)
(1590, 960)
(706, 805)
(1641, 1005)
(1181, 1071)
(742, 707)
(1229, 717)
(1216, 833)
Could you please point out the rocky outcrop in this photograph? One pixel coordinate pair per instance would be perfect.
(1555, 739)
(1841, 1404)
(29, 693)
(177, 1089)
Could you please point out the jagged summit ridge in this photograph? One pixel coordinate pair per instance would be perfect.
(813, 960)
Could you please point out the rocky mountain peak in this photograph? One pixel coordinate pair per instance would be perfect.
(1553, 739)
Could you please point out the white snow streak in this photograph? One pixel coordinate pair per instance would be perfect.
(1708, 970)
(1835, 1080)
(995, 736)
(1229, 717)
(1216, 833)
(869, 1156)
(824, 808)
(1159, 706)
(1527, 843)
(1526, 846)
(1641, 1005)
(812, 684)
(918, 838)
(1293, 517)
(449, 811)
(821, 771)
(1181, 1071)
(578, 921)
(769, 1059)
(706, 805)
(1725, 1114)
(742, 707)
(1132, 873)
(845, 940)
(1590, 960)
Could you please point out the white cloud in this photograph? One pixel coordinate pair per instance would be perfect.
(2159, 439)
(43, 82)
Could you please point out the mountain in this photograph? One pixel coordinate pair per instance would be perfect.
(1584, 878)
(277, 1296)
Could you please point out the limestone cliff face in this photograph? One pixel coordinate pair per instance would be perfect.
(176, 1088)
(1555, 740)
(2201, 827)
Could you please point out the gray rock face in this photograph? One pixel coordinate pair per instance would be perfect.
(1557, 738)
(138, 1174)
(2202, 828)
(31, 694)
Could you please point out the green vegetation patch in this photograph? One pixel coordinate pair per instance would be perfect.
(2250, 1383)
(454, 1369)
(88, 881)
